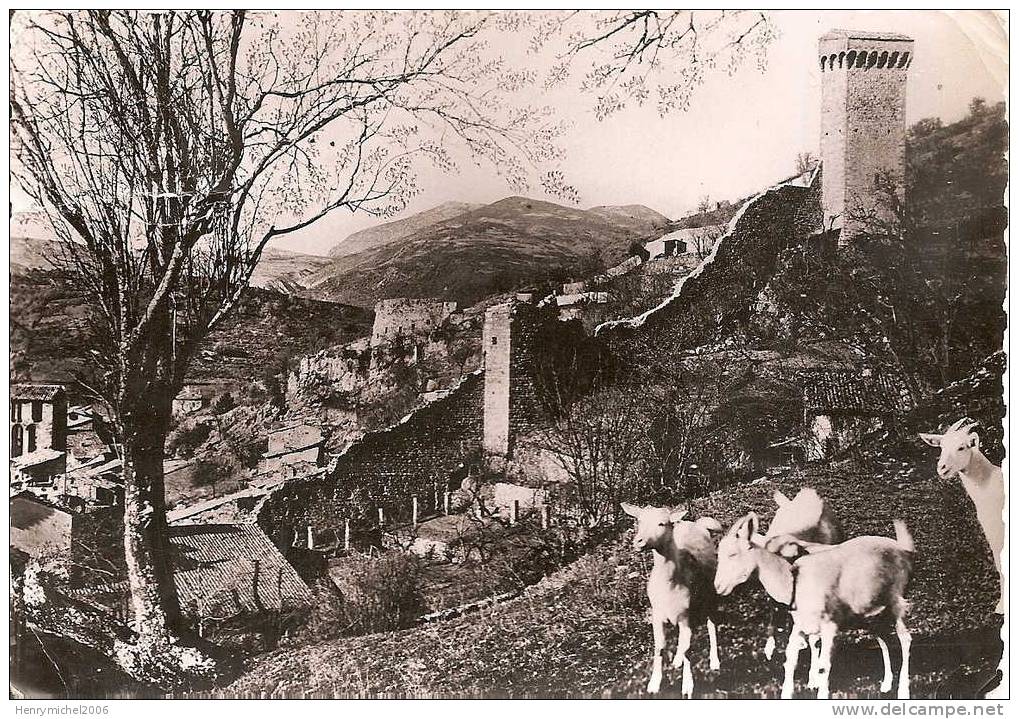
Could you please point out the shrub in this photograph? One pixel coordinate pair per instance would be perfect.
(384, 593)
(185, 440)
(224, 403)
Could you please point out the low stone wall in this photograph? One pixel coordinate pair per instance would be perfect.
(413, 458)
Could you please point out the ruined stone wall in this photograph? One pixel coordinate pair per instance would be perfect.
(716, 300)
(383, 469)
(408, 317)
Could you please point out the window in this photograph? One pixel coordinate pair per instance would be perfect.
(31, 437)
(14, 416)
(17, 435)
(36, 410)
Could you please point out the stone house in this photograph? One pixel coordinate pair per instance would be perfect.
(192, 398)
(63, 535)
(294, 445)
(840, 406)
(38, 434)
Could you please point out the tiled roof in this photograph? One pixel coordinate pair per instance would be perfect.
(229, 569)
(46, 392)
(856, 391)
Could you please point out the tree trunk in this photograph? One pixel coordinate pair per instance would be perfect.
(146, 544)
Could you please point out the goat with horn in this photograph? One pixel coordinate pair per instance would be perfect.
(984, 483)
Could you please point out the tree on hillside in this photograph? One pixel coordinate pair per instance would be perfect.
(805, 162)
(169, 148)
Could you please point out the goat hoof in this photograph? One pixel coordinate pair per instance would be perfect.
(654, 685)
(903, 693)
(769, 648)
(787, 692)
(886, 686)
(715, 664)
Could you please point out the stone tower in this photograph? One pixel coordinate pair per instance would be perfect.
(863, 125)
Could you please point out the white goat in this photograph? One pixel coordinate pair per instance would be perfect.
(808, 519)
(983, 482)
(805, 517)
(828, 588)
(680, 584)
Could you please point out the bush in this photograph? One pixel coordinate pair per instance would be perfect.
(384, 593)
(224, 403)
(184, 440)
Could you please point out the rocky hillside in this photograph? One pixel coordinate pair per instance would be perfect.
(495, 248)
(48, 331)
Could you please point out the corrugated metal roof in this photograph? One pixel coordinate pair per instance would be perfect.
(229, 569)
(45, 392)
(859, 391)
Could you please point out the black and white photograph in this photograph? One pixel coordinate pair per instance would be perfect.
(508, 354)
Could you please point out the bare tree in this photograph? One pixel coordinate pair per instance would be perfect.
(805, 162)
(704, 239)
(660, 56)
(600, 441)
(704, 204)
(169, 148)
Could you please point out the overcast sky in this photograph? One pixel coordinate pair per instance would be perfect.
(741, 132)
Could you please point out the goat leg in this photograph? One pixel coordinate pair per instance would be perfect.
(792, 657)
(828, 630)
(886, 679)
(714, 662)
(905, 640)
(682, 658)
(814, 647)
(655, 682)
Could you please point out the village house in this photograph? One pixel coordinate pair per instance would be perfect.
(840, 406)
(292, 447)
(38, 434)
(192, 398)
(68, 537)
(232, 582)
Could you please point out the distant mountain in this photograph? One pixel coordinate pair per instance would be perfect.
(495, 248)
(286, 271)
(32, 247)
(383, 234)
(643, 219)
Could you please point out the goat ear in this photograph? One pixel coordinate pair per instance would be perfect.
(974, 440)
(677, 515)
(630, 509)
(780, 499)
(748, 527)
(934, 440)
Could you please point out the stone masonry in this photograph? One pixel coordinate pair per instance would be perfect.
(863, 124)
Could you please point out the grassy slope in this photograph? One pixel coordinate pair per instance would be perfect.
(582, 632)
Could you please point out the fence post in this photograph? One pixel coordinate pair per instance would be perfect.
(346, 534)
(514, 511)
(414, 511)
(382, 517)
(545, 516)
(311, 537)
(445, 503)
